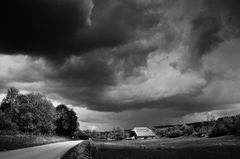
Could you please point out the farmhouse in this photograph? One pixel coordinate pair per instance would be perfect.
(142, 132)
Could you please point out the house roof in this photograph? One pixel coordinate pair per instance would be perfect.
(143, 131)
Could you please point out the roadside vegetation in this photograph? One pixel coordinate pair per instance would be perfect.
(23, 141)
(31, 119)
(80, 151)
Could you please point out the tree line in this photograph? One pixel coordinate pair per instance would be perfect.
(34, 114)
(229, 125)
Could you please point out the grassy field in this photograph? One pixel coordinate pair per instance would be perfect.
(169, 148)
(15, 142)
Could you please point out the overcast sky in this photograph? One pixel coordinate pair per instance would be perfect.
(125, 62)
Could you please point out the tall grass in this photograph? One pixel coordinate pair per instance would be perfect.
(22, 141)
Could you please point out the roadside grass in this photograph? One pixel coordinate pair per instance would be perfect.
(165, 148)
(16, 142)
(80, 151)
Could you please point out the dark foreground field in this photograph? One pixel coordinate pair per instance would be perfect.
(15, 142)
(227, 147)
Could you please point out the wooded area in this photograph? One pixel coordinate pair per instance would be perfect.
(34, 114)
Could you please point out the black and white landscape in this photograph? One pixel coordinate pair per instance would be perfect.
(120, 64)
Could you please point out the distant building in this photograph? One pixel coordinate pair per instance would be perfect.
(142, 132)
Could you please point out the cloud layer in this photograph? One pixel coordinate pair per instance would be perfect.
(119, 56)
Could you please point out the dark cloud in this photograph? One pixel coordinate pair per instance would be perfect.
(218, 18)
(181, 103)
(204, 34)
(84, 78)
(63, 28)
(39, 26)
(108, 45)
(211, 23)
(208, 25)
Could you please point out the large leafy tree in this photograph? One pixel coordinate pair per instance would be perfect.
(31, 113)
(67, 121)
(36, 114)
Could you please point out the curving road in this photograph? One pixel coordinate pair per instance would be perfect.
(49, 151)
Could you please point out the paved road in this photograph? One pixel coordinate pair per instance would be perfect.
(49, 151)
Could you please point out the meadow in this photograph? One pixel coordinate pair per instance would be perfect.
(168, 148)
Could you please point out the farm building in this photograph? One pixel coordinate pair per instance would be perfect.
(142, 132)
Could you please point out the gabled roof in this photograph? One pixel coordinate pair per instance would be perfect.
(143, 132)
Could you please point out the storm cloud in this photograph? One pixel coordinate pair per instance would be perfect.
(119, 56)
(63, 28)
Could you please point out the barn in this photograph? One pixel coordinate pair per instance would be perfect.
(142, 132)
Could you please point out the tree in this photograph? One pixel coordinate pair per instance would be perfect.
(31, 113)
(8, 112)
(78, 134)
(10, 103)
(219, 129)
(210, 116)
(187, 130)
(118, 133)
(95, 134)
(36, 114)
(7, 127)
(175, 132)
(67, 121)
(11, 97)
(88, 132)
